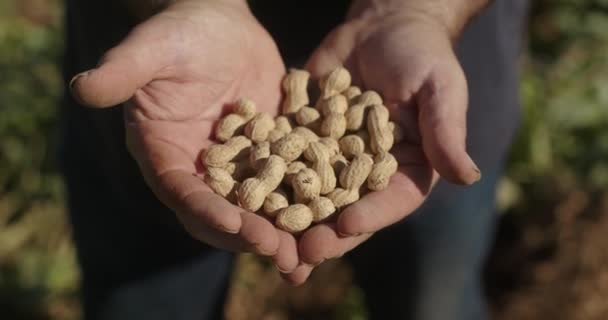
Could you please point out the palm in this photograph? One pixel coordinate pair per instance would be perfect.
(179, 70)
(174, 114)
(414, 68)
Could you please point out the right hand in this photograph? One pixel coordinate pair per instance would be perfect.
(177, 70)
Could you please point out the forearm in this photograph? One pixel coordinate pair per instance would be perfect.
(452, 14)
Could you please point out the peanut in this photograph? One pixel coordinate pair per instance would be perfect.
(259, 127)
(253, 191)
(338, 163)
(294, 218)
(319, 155)
(274, 202)
(334, 123)
(385, 165)
(355, 174)
(233, 123)
(295, 86)
(355, 115)
(331, 144)
(352, 145)
(292, 169)
(306, 185)
(351, 179)
(335, 82)
(381, 137)
(258, 154)
(220, 181)
(308, 134)
(321, 208)
(282, 127)
(290, 147)
(239, 170)
(308, 117)
(218, 155)
(342, 197)
(352, 92)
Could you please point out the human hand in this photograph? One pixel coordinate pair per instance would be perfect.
(178, 70)
(404, 52)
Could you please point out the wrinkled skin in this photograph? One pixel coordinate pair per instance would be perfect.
(177, 72)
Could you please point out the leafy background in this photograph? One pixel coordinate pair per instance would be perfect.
(553, 199)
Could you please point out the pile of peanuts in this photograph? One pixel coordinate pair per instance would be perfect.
(310, 162)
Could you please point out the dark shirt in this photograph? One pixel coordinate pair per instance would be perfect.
(109, 200)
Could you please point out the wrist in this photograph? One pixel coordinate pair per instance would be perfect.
(143, 9)
(451, 15)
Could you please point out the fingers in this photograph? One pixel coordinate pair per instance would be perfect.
(442, 102)
(299, 275)
(286, 259)
(334, 51)
(259, 233)
(406, 192)
(323, 242)
(124, 69)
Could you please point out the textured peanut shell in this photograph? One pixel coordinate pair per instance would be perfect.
(292, 169)
(220, 181)
(338, 163)
(352, 92)
(258, 128)
(352, 145)
(308, 117)
(306, 185)
(282, 127)
(331, 144)
(306, 133)
(385, 165)
(335, 82)
(356, 113)
(295, 85)
(274, 202)
(234, 123)
(253, 191)
(294, 218)
(258, 154)
(355, 174)
(318, 154)
(218, 155)
(321, 208)
(290, 147)
(240, 170)
(343, 197)
(380, 136)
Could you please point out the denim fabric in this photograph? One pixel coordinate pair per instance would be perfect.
(428, 267)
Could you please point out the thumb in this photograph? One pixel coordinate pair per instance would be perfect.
(121, 72)
(442, 102)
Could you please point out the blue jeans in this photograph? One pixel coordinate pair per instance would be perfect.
(429, 266)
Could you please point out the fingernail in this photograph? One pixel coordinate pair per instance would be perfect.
(281, 270)
(78, 76)
(476, 169)
(344, 235)
(227, 230)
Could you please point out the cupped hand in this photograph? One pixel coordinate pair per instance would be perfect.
(406, 56)
(178, 70)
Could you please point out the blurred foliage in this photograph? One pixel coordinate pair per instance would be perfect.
(563, 140)
(38, 274)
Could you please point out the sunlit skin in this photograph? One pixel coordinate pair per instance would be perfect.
(178, 71)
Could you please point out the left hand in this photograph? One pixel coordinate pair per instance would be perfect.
(407, 56)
